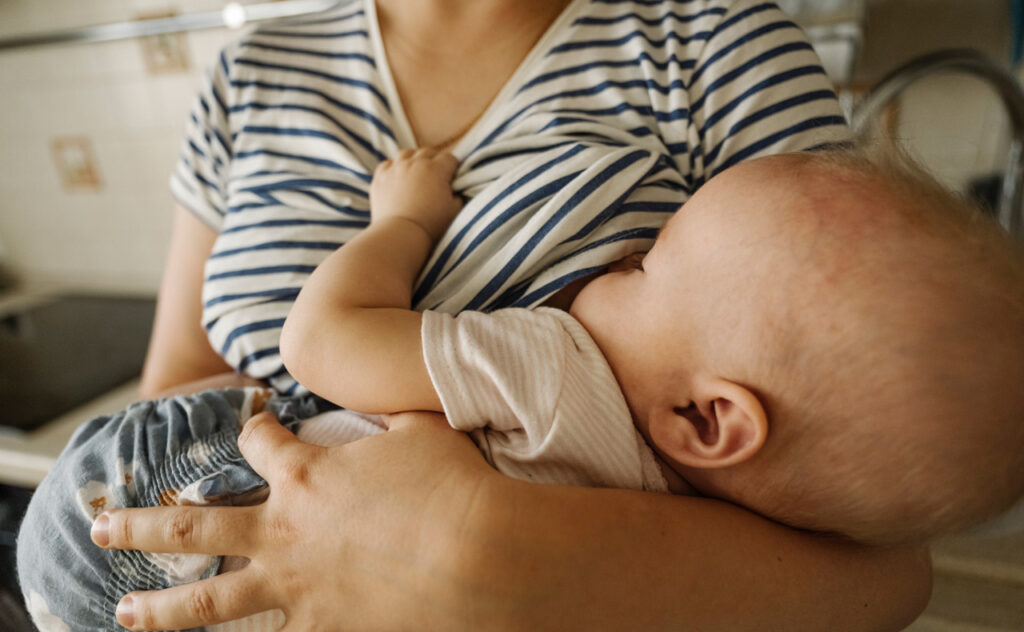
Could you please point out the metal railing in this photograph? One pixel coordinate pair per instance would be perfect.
(234, 15)
(1010, 208)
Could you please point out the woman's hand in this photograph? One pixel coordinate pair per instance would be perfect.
(343, 542)
(411, 529)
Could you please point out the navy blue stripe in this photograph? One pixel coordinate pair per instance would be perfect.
(313, 133)
(257, 355)
(649, 84)
(270, 200)
(258, 271)
(216, 96)
(640, 232)
(347, 107)
(746, 13)
(220, 101)
(326, 223)
(757, 61)
(650, 207)
(546, 190)
(224, 65)
(574, 202)
(508, 155)
(743, 39)
(658, 21)
(821, 121)
(611, 209)
(637, 61)
(433, 274)
(268, 172)
(196, 149)
(206, 183)
(279, 245)
(322, 162)
(541, 293)
(312, 52)
(677, 148)
(518, 299)
(295, 184)
(341, 105)
(619, 41)
(341, 208)
(345, 81)
(766, 112)
(338, 35)
(642, 110)
(255, 105)
(260, 325)
(207, 134)
(276, 295)
(223, 143)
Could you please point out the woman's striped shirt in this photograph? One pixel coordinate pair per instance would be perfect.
(621, 110)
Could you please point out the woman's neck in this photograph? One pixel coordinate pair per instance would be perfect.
(450, 58)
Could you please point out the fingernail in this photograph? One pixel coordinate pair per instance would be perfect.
(125, 612)
(101, 530)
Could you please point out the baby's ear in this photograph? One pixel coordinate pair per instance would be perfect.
(725, 424)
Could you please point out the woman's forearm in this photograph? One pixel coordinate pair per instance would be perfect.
(558, 558)
(179, 351)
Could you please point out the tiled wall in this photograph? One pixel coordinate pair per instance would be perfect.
(88, 136)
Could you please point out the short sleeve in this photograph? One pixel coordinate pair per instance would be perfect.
(495, 370)
(200, 177)
(758, 88)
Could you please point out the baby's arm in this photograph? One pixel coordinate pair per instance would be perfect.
(351, 336)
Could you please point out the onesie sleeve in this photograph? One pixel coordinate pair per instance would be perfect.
(495, 371)
(758, 88)
(199, 179)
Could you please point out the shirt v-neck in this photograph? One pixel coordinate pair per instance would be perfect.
(493, 112)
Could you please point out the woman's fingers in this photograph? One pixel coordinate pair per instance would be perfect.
(215, 600)
(264, 442)
(209, 530)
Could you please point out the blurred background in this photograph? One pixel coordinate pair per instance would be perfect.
(89, 133)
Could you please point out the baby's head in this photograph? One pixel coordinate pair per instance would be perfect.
(830, 339)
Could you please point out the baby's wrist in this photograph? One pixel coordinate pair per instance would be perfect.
(398, 221)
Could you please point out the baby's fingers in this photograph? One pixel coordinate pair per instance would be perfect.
(215, 600)
(209, 530)
(448, 161)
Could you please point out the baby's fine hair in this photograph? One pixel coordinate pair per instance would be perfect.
(903, 390)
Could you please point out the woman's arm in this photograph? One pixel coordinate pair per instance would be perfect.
(438, 540)
(621, 560)
(179, 352)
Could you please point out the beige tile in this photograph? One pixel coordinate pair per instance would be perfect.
(965, 599)
(1003, 550)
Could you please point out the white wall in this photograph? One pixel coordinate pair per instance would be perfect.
(112, 235)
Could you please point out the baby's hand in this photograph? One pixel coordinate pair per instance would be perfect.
(416, 186)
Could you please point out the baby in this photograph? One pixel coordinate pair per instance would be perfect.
(830, 340)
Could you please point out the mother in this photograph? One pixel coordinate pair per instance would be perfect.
(410, 528)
